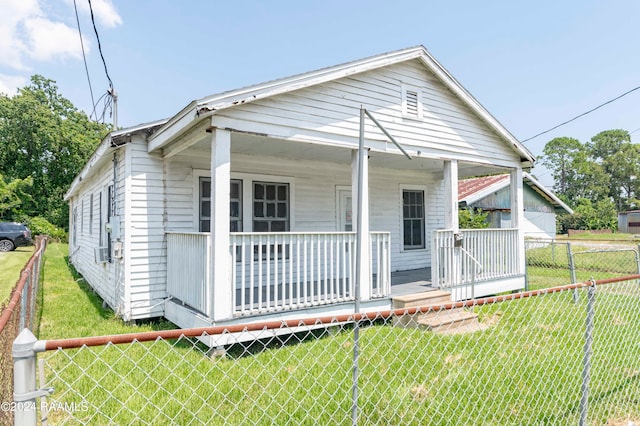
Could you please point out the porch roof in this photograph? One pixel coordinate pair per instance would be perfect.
(198, 109)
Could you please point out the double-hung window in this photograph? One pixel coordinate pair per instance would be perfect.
(413, 219)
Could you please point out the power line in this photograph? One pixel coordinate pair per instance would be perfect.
(93, 22)
(84, 57)
(581, 115)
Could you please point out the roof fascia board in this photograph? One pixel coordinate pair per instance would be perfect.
(174, 126)
(309, 79)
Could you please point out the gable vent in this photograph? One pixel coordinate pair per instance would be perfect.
(412, 103)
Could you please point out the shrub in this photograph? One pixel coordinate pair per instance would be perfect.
(41, 226)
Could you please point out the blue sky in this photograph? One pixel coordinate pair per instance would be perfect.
(531, 64)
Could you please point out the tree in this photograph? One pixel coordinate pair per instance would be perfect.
(560, 156)
(12, 194)
(620, 161)
(45, 137)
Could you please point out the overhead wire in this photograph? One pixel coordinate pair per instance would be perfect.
(84, 57)
(582, 115)
(109, 102)
(93, 22)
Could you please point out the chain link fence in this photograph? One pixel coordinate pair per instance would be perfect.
(539, 357)
(19, 312)
(552, 263)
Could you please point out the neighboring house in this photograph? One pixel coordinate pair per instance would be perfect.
(629, 222)
(492, 195)
(242, 206)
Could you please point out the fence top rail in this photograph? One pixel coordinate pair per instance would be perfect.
(477, 231)
(50, 345)
(41, 243)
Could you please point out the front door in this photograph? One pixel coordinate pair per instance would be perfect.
(345, 211)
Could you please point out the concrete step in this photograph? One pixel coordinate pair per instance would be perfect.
(426, 298)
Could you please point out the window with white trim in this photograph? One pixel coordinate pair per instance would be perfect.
(270, 207)
(235, 205)
(413, 219)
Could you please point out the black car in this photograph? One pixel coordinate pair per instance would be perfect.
(13, 234)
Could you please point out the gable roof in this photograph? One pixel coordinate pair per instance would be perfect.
(112, 141)
(210, 104)
(474, 189)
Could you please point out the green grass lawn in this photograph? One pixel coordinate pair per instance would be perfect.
(11, 263)
(71, 308)
(525, 368)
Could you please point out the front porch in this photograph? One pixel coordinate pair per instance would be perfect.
(296, 275)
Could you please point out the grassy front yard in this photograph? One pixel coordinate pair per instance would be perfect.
(525, 368)
(11, 263)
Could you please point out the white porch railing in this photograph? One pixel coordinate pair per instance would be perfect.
(380, 264)
(277, 271)
(485, 255)
(188, 268)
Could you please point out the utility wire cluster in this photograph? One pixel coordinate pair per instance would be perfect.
(107, 102)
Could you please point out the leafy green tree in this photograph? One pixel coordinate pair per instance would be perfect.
(620, 160)
(45, 137)
(561, 156)
(12, 194)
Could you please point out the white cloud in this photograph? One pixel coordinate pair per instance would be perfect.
(49, 40)
(9, 84)
(12, 44)
(103, 10)
(34, 30)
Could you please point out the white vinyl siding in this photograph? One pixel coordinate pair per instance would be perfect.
(328, 113)
(313, 205)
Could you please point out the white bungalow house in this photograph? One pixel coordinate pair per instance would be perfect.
(491, 194)
(241, 207)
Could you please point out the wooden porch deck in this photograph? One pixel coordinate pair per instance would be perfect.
(410, 282)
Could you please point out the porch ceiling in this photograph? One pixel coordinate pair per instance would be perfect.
(271, 147)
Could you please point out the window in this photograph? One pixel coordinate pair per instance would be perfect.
(270, 207)
(82, 217)
(91, 214)
(413, 219)
(411, 102)
(205, 205)
(235, 206)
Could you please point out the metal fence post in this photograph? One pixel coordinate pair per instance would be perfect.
(572, 272)
(24, 378)
(586, 363)
(24, 301)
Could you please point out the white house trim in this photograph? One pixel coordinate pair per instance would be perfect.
(409, 187)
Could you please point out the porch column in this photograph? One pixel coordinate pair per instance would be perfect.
(451, 195)
(451, 222)
(365, 261)
(220, 285)
(517, 213)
